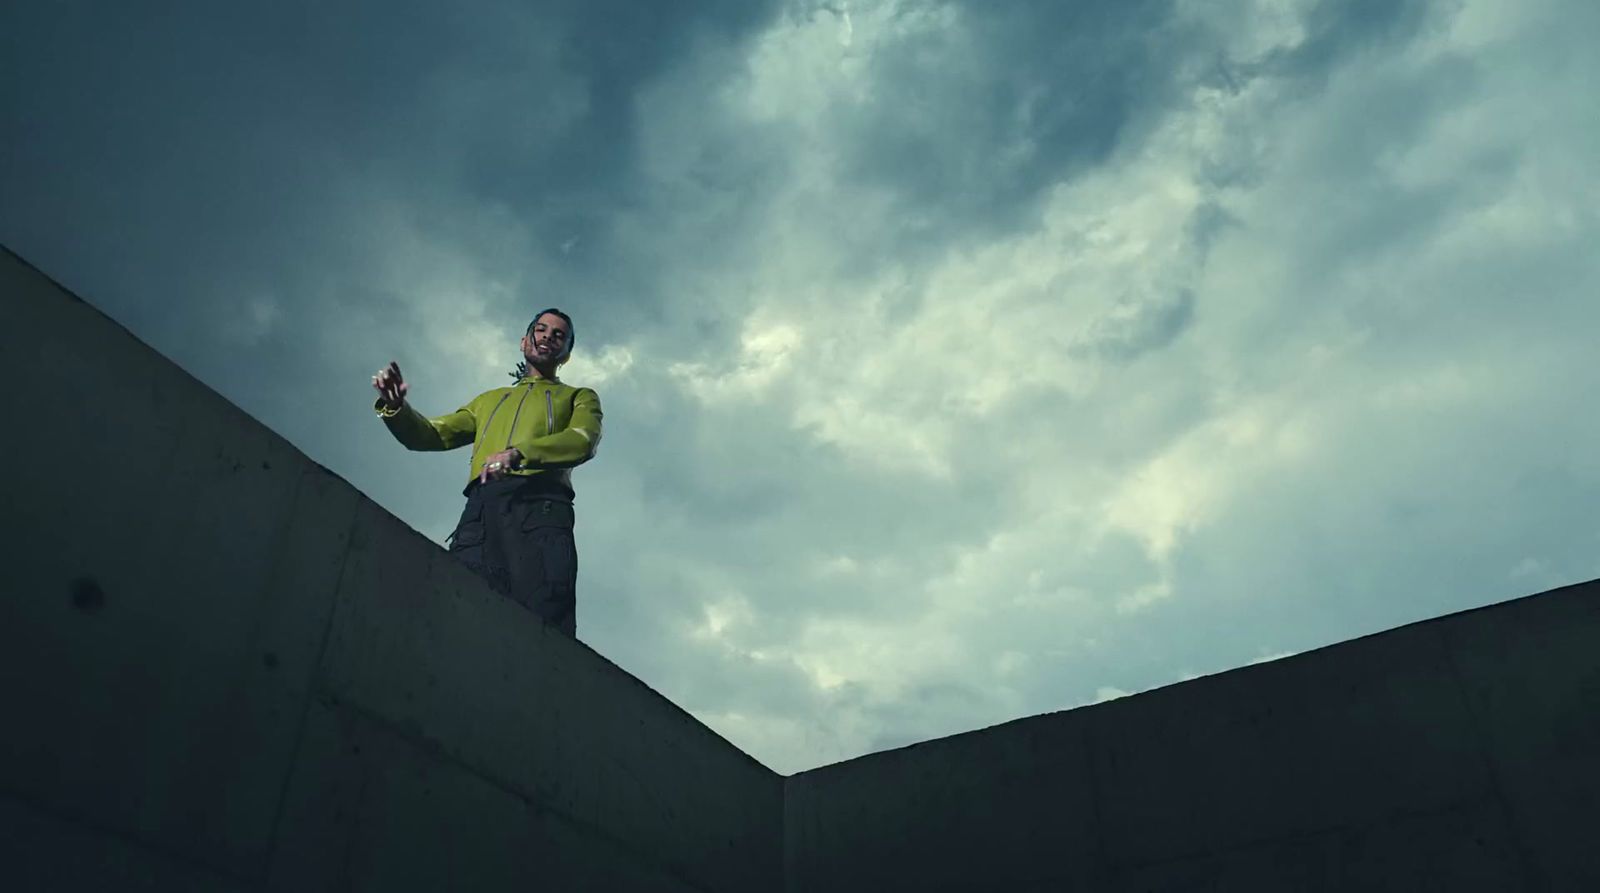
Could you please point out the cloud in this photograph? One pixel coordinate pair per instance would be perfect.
(960, 362)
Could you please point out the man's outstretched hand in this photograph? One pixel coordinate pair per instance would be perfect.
(390, 386)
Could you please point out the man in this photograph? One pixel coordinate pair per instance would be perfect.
(517, 527)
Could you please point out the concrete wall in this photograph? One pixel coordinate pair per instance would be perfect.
(224, 669)
(1460, 754)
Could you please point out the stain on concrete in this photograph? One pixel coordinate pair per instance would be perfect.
(87, 596)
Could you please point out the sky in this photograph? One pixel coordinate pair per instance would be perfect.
(961, 361)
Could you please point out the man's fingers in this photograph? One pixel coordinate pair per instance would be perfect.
(390, 384)
(391, 388)
(494, 468)
(388, 389)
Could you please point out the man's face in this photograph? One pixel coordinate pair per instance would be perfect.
(548, 340)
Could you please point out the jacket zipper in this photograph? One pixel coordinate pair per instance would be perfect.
(492, 412)
(491, 419)
(549, 413)
(510, 435)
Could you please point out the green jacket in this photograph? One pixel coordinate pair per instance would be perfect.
(553, 424)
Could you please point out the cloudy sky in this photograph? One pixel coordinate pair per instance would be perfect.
(961, 361)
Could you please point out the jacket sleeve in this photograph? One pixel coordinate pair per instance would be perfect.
(417, 432)
(574, 445)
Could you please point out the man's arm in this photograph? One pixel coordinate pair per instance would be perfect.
(573, 446)
(412, 428)
(418, 432)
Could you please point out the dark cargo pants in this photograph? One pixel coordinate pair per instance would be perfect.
(521, 542)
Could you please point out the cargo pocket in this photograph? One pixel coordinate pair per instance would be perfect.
(551, 576)
(545, 562)
(469, 530)
(538, 513)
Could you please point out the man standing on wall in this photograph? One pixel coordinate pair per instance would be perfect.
(517, 527)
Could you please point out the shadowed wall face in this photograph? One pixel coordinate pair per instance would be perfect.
(227, 670)
(1457, 754)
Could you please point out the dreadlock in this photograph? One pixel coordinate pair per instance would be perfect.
(572, 338)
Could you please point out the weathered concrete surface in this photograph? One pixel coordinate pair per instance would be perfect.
(1458, 754)
(224, 669)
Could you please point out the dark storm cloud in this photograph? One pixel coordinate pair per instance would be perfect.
(967, 125)
(211, 135)
(1337, 30)
(1138, 326)
(970, 122)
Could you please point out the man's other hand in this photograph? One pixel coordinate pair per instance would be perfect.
(391, 387)
(498, 464)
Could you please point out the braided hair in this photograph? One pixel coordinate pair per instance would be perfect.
(572, 338)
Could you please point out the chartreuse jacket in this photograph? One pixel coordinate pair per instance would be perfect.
(553, 425)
